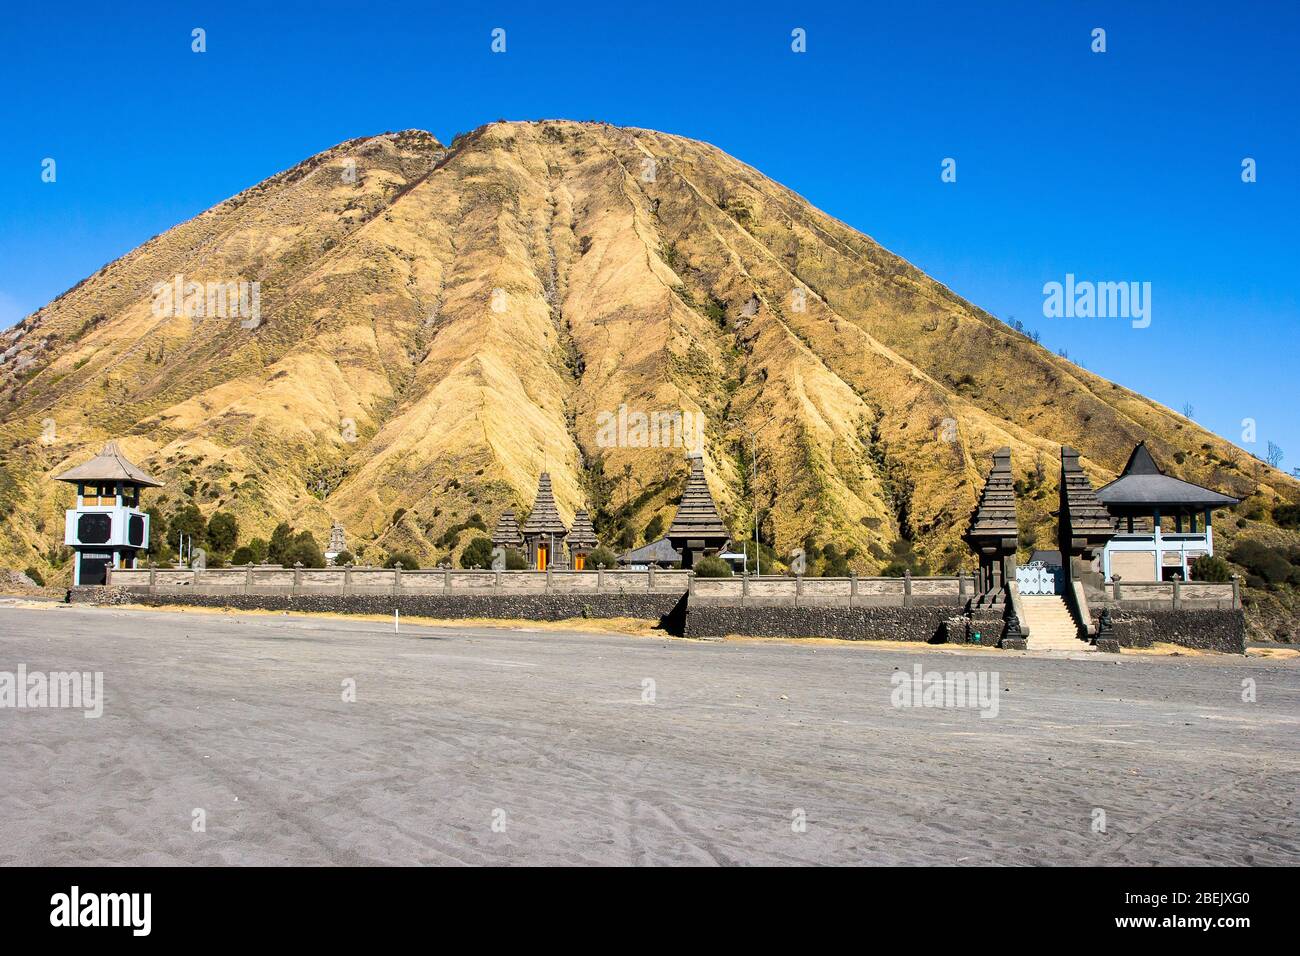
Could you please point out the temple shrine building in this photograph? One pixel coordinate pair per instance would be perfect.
(106, 529)
(1163, 523)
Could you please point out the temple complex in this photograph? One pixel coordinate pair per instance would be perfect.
(544, 531)
(697, 529)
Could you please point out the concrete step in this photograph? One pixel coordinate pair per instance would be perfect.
(1051, 625)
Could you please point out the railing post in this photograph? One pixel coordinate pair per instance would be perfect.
(1236, 592)
(248, 577)
(907, 588)
(600, 578)
(347, 579)
(548, 579)
(1178, 597)
(297, 578)
(153, 582)
(744, 588)
(650, 572)
(690, 583)
(1119, 591)
(798, 588)
(496, 581)
(397, 577)
(961, 584)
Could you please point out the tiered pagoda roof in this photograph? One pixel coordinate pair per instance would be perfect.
(994, 518)
(109, 465)
(545, 517)
(697, 516)
(582, 534)
(507, 533)
(1081, 510)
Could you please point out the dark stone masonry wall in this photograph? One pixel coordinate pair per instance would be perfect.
(919, 623)
(1205, 629)
(668, 609)
(1209, 629)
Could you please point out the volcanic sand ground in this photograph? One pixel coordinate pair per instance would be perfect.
(453, 727)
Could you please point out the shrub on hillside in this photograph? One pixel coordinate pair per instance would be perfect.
(711, 567)
(478, 553)
(602, 555)
(408, 561)
(1264, 565)
(36, 576)
(1210, 567)
(1287, 516)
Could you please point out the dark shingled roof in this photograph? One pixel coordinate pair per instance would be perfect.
(109, 465)
(995, 515)
(697, 516)
(582, 534)
(544, 519)
(656, 552)
(507, 533)
(1144, 484)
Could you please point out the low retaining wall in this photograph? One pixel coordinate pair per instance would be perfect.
(1209, 629)
(918, 623)
(668, 609)
(924, 609)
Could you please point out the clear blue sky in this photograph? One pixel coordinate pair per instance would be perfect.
(1122, 166)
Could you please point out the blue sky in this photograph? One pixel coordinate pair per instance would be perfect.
(1115, 166)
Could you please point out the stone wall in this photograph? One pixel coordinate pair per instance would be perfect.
(918, 623)
(668, 609)
(1212, 629)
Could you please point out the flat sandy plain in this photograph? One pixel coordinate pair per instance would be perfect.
(547, 732)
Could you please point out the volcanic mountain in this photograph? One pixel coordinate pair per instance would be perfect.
(440, 325)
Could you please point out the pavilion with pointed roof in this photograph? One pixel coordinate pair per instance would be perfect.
(697, 529)
(106, 529)
(992, 534)
(544, 531)
(1164, 522)
(581, 540)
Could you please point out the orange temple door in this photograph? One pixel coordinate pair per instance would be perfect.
(579, 562)
(541, 557)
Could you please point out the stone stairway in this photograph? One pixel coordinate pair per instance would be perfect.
(1051, 626)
